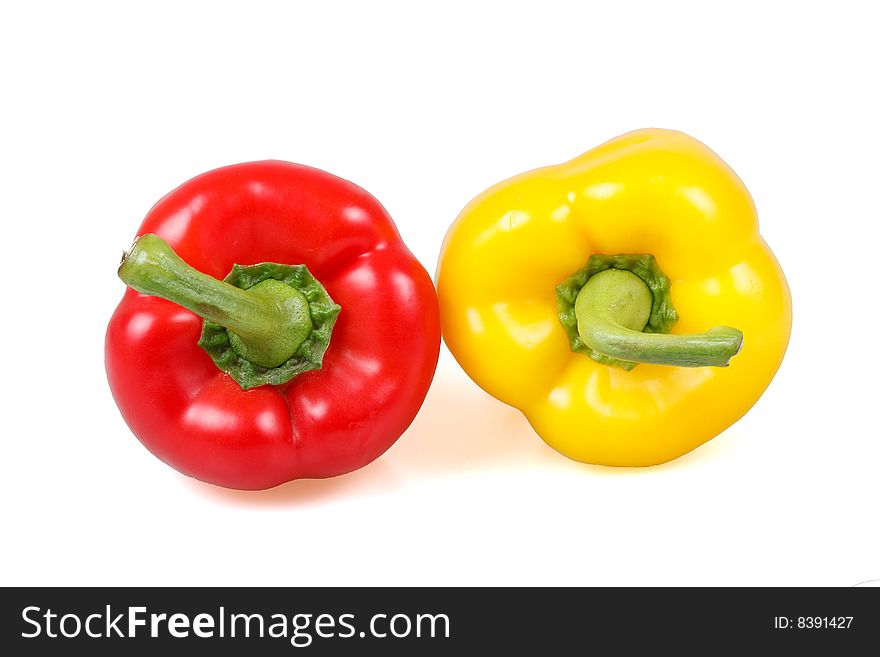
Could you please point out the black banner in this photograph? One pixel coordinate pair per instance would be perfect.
(406, 621)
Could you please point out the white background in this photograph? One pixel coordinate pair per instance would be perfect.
(106, 107)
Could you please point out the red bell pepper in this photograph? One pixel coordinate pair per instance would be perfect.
(248, 398)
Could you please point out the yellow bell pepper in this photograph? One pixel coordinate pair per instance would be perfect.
(560, 289)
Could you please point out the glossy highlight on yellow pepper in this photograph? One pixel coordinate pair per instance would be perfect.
(657, 192)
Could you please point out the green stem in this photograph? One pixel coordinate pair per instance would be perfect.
(613, 308)
(266, 323)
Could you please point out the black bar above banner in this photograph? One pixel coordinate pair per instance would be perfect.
(276, 621)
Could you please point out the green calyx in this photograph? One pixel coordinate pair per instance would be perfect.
(264, 323)
(306, 302)
(618, 311)
(661, 314)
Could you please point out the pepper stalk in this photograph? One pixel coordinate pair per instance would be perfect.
(618, 310)
(264, 323)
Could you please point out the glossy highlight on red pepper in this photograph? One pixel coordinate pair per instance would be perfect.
(324, 422)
